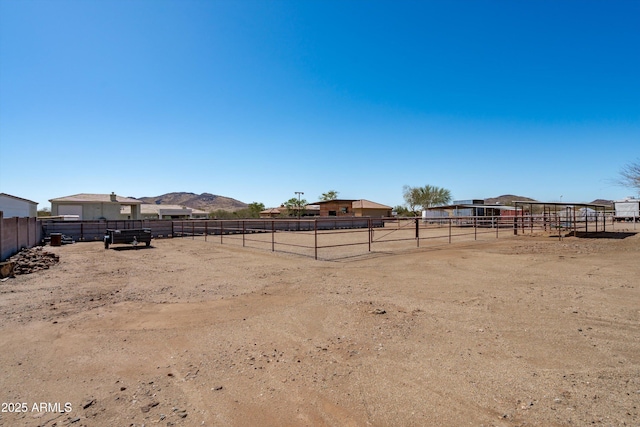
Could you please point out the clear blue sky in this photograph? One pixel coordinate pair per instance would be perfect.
(258, 99)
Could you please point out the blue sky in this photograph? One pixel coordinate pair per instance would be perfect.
(258, 99)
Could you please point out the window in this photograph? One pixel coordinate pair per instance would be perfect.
(344, 210)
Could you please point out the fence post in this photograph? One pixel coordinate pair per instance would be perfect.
(449, 230)
(370, 233)
(1, 234)
(475, 228)
(206, 229)
(315, 233)
(243, 231)
(273, 236)
(221, 229)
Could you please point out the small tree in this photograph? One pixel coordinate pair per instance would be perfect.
(329, 195)
(402, 211)
(44, 212)
(411, 197)
(294, 206)
(255, 208)
(630, 175)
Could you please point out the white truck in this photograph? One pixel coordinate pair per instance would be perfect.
(627, 209)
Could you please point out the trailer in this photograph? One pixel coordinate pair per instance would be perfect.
(627, 209)
(134, 236)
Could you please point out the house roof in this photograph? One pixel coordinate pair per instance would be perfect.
(18, 198)
(368, 204)
(321, 202)
(96, 198)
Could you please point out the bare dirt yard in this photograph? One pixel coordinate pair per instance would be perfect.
(516, 331)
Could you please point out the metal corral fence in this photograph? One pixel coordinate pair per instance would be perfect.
(339, 238)
(565, 223)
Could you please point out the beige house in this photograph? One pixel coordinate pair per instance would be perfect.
(351, 208)
(371, 209)
(152, 211)
(95, 206)
(308, 210)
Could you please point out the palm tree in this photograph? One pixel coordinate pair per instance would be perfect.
(329, 195)
(433, 196)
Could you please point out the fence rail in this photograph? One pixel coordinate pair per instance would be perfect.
(323, 238)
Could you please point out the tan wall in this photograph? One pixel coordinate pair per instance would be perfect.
(98, 210)
(336, 206)
(373, 213)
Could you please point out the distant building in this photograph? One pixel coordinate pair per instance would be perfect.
(153, 211)
(353, 208)
(95, 206)
(17, 206)
(308, 210)
(471, 207)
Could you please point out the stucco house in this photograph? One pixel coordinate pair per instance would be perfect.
(153, 211)
(351, 208)
(95, 206)
(17, 206)
(308, 210)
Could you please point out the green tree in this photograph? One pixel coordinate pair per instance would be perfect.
(295, 206)
(44, 212)
(425, 197)
(255, 208)
(329, 195)
(402, 211)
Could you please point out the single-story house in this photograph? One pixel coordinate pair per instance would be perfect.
(17, 206)
(153, 211)
(308, 210)
(371, 209)
(95, 206)
(351, 208)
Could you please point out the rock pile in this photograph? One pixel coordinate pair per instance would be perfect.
(34, 259)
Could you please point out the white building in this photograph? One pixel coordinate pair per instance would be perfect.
(17, 206)
(151, 211)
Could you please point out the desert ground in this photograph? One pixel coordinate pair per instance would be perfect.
(516, 331)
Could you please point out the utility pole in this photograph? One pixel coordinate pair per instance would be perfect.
(299, 193)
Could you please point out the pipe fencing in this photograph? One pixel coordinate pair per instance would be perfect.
(339, 238)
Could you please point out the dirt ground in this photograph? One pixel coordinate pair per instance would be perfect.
(520, 331)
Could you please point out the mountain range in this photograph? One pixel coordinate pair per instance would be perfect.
(206, 201)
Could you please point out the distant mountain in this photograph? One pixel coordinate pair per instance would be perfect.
(608, 203)
(507, 200)
(206, 201)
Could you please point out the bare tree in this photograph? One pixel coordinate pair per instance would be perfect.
(630, 175)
